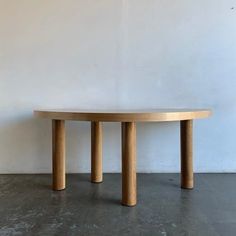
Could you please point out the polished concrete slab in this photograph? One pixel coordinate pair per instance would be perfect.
(28, 206)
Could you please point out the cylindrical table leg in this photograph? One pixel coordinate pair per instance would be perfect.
(58, 155)
(186, 135)
(96, 152)
(129, 188)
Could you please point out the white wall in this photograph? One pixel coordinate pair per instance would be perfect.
(117, 54)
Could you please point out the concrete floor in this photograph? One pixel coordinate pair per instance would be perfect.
(29, 207)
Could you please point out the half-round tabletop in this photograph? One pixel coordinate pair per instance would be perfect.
(151, 115)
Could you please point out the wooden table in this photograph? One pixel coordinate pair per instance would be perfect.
(128, 119)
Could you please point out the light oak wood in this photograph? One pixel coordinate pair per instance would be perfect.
(186, 130)
(128, 119)
(129, 197)
(125, 115)
(58, 156)
(96, 152)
